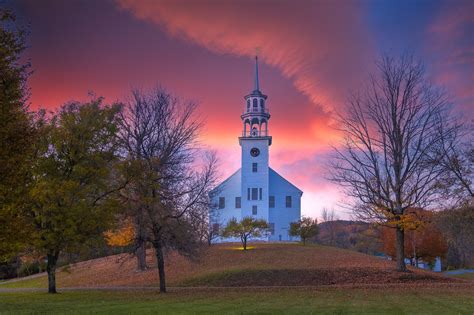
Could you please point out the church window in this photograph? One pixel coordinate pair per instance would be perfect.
(255, 105)
(254, 193)
(248, 193)
(288, 201)
(254, 131)
(254, 167)
(238, 203)
(221, 202)
(272, 228)
(260, 193)
(261, 104)
(271, 202)
(248, 105)
(254, 210)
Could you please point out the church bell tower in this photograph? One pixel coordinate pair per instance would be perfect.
(255, 142)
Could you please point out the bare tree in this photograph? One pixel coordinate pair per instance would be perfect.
(159, 134)
(389, 160)
(203, 211)
(203, 218)
(213, 222)
(457, 184)
(329, 216)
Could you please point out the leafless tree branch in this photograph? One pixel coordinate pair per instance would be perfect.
(390, 160)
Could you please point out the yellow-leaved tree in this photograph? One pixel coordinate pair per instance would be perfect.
(122, 236)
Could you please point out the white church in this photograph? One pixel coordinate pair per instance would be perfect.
(255, 189)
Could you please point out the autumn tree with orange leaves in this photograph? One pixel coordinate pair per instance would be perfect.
(423, 240)
(122, 236)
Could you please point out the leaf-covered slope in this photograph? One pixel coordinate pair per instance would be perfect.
(228, 265)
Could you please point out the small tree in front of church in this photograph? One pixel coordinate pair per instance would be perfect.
(305, 228)
(245, 229)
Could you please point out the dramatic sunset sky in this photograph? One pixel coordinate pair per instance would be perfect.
(312, 53)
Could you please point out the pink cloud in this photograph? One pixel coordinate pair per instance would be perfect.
(319, 46)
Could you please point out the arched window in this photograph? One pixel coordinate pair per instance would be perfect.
(254, 131)
(264, 127)
(262, 104)
(255, 104)
(247, 130)
(248, 104)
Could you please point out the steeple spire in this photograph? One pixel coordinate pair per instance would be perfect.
(255, 115)
(257, 85)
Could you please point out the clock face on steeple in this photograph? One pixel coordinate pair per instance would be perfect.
(254, 152)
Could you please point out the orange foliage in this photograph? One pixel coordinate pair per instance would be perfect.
(422, 238)
(122, 237)
(412, 219)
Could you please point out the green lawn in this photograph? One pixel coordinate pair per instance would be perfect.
(237, 301)
(38, 282)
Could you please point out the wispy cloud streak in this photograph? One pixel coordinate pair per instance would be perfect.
(320, 45)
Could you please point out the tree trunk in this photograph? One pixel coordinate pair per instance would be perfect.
(160, 259)
(141, 244)
(414, 249)
(141, 255)
(401, 249)
(51, 269)
(209, 238)
(304, 241)
(245, 242)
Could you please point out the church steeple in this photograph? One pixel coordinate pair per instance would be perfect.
(257, 84)
(255, 116)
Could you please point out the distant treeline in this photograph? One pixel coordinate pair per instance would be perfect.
(449, 234)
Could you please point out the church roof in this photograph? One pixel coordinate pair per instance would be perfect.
(272, 171)
(225, 181)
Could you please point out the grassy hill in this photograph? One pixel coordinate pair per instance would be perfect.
(227, 265)
(269, 278)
